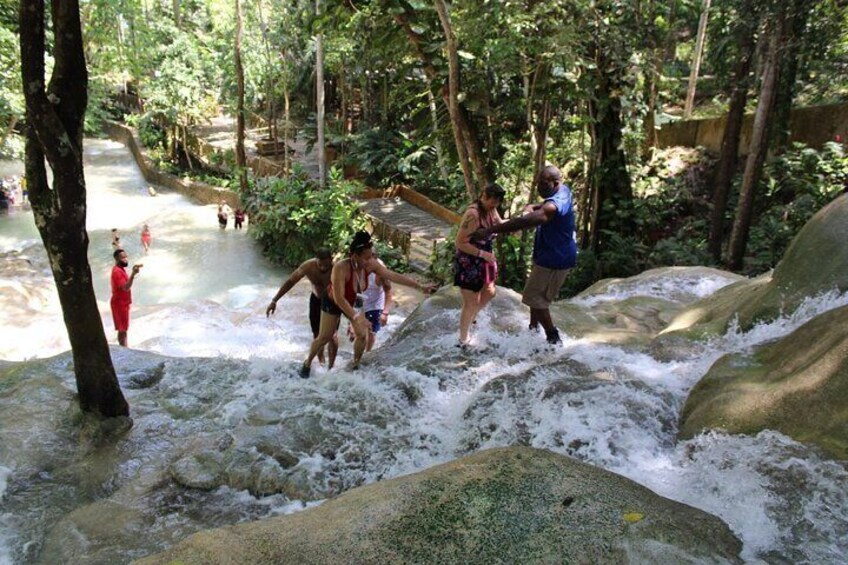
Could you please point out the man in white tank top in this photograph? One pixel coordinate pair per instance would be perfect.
(376, 303)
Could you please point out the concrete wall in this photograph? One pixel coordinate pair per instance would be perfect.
(198, 191)
(813, 125)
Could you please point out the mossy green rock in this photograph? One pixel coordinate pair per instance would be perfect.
(509, 505)
(797, 385)
(815, 263)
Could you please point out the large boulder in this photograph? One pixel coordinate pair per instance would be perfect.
(509, 505)
(815, 263)
(797, 385)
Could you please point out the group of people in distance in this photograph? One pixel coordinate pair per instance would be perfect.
(335, 286)
(224, 212)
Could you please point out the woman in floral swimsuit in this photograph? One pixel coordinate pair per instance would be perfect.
(475, 267)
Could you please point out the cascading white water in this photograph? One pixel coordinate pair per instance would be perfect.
(202, 293)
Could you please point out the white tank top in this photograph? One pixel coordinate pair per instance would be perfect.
(373, 297)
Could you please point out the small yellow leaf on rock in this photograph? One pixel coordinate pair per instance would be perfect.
(633, 517)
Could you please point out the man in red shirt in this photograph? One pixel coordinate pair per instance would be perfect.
(121, 293)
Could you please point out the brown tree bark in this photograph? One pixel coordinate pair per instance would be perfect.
(790, 62)
(759, 147)
(463, 122)
(241, 156)
(453, 100)
(610, 182)
(729, 155)
(319, 101)
(696, 61)
(54, 130)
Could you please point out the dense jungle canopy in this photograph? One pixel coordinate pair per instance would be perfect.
(446, 97)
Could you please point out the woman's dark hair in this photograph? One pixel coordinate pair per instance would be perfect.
(360, 242)
(494, 190)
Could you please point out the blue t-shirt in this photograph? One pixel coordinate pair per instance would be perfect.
(554, 247)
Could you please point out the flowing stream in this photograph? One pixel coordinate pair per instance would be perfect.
(208, 376)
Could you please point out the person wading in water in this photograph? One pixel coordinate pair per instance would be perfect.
(349, 278)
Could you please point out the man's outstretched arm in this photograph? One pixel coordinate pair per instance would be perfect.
(295, 277)
(537, 217)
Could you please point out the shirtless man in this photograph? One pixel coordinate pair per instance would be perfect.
(318, 272)
(350, 277)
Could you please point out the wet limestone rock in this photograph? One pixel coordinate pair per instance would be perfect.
(815, 263)
(797, 385)
(508, 505)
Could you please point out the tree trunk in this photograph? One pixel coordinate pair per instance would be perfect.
(444, 173)
(610, 182)
(319, 100)
(55, 130)
(186, 152)
(9, 129)
(759, 147)
(453, 100)
(729, 156)
(286, 129)
(788, 72)
(177, 18)
(241, 157)
(696, 60)
(459, 119)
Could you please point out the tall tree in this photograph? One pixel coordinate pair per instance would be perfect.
(696, 59)
(759, 143)
(453, 99)
(241, 157)
(729, 154)
(799, 13)
(319, 97)
(54, 130)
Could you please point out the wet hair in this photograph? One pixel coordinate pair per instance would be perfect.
(117, 252)
(323, 254)
(494, 190)
(360, 242)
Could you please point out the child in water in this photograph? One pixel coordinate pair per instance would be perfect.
(145, 238)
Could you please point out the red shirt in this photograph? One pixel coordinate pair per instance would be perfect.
(119, 280)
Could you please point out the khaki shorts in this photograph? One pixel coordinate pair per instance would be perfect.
(543, 286)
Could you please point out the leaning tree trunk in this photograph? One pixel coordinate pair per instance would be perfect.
(241, 157)
(453, 100)
(54, 131)
(696, 61)
(729, 155)
(319, 100)
(758, 149)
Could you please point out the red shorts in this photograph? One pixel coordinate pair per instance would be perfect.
(121, 316)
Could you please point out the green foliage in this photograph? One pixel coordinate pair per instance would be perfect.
(795, 186)
(291, 217)
(11, 94)
(151, 134)
(378, 154)
(441, 260)
(393, 258)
